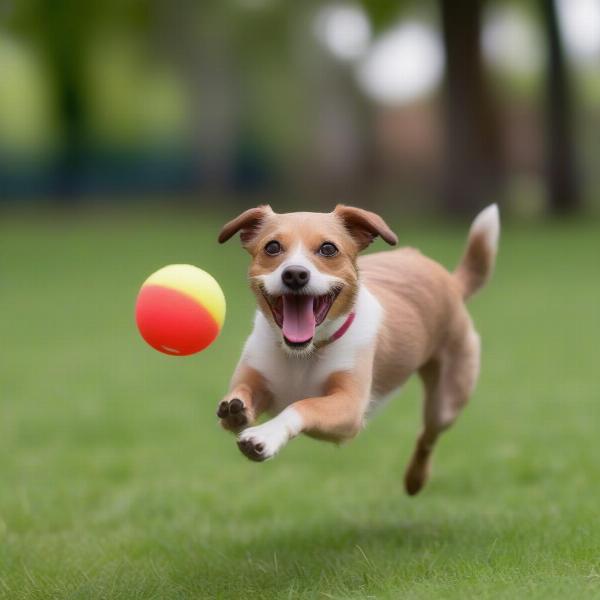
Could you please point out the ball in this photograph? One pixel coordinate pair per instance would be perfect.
(180, 310)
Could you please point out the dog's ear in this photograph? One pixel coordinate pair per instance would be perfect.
(248, 224)
(364, 226)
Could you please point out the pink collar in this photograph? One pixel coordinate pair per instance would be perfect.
(342, 330)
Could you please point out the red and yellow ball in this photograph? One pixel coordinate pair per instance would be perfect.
(180, 310)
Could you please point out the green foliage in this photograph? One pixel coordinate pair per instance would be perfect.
(118, 483)
(59, 21)
(381, 12)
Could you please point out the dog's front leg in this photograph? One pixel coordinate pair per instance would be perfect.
(247, 398)
(336, 416)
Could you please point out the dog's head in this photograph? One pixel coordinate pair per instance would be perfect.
(303, 269)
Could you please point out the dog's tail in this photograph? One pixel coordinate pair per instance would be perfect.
(477, 263)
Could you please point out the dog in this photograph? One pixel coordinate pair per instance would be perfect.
(336, 334)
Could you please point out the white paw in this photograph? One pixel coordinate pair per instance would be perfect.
(264, 441)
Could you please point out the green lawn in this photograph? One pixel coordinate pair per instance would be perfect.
(116, 482)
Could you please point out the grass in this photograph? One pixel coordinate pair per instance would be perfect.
(115, 481)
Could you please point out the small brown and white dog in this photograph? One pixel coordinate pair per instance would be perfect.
(334, 335)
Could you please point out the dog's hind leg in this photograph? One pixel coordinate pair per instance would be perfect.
(448, 381)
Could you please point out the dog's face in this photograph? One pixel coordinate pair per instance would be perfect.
(303, 269)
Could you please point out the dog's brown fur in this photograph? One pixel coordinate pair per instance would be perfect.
(426, 327)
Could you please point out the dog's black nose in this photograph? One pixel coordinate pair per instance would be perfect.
(295, 277)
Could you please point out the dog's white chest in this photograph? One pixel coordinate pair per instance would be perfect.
(292, 379)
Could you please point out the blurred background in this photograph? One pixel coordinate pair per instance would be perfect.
(130, 131)
(431, 106)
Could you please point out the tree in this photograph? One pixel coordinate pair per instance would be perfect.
(60, 30)
(473, 158)
(564, 194)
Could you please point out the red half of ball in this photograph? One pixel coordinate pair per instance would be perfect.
(172, 322)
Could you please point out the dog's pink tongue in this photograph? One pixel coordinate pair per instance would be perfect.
(298, 318)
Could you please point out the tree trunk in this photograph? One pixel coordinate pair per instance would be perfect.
(564, 193)
(69, 184)
(63, 46)
(473, 163)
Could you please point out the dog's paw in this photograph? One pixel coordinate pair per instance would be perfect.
(252, 449)
(263, 441)
(233, 414)
(416, 477)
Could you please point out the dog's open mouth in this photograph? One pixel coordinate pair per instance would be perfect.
(299, 314)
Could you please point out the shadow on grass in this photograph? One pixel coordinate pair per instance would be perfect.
(336, 558)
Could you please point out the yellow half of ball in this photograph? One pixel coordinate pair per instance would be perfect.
(195, 283)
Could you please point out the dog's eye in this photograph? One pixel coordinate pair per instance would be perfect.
(328, 249)
(273, 248)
